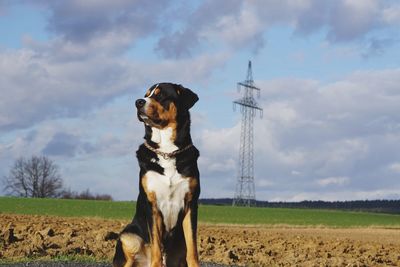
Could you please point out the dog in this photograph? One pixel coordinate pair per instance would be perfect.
(163, 231)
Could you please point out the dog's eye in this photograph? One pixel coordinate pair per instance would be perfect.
(160, 94)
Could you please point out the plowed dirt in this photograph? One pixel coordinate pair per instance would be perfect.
(45, 237)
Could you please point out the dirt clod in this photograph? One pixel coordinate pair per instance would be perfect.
(9, 236)
(47, 232)
(233, 256)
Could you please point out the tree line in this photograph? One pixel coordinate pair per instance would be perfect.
(383, 205)
(39, 177)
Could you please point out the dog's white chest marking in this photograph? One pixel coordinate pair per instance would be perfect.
(170, 193)
(170, 188)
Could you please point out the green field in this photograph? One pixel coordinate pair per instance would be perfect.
(207, 213)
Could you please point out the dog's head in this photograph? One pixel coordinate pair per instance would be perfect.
(162, 102)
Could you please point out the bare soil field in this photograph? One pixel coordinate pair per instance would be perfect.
(46, 237)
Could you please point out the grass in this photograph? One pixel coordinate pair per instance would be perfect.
(67, 207)
(301, 217)
(207, 213)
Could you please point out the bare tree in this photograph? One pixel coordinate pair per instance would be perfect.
(86, 194)
(34, 177)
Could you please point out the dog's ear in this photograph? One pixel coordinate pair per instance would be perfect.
(187, 97)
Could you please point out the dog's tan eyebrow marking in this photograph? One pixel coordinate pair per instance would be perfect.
(152, 91)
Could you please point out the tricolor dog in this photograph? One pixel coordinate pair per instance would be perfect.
(164, 229)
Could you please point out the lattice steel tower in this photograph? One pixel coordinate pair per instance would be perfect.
(245, 188)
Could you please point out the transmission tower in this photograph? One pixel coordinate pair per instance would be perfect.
(245, 188)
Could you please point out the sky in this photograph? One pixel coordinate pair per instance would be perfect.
(329, 75)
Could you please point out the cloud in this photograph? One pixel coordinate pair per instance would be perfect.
(177, 44)
(395, 167)
(236, 30)
(64, 144)
(185, 40)
(90, 150)
(377, 47)
(245, 24)
(350, 20)
(104, 25)
(329, 181)
(218, 160)
(36, 87)
(112, 28)
(3, 9)
(391, 14)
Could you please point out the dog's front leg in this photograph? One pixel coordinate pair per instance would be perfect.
(189, 230)
(156, 233)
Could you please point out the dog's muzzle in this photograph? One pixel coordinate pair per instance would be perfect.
(140, 103)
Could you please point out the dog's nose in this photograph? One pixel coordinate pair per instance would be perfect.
(140, 103)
